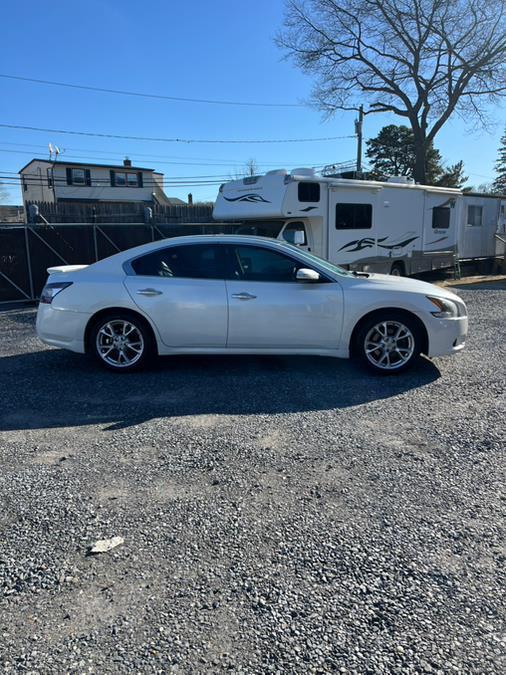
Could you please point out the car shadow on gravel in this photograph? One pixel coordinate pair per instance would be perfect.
(53, 388)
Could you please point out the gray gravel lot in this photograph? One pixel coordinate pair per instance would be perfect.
(280, 515)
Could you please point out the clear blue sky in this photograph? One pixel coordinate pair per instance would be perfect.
(199, 49)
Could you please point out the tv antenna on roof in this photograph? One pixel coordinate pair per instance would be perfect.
(53, 150)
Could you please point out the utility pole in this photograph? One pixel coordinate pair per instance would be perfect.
(358, 133)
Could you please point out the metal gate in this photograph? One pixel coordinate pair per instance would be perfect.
(27, 251)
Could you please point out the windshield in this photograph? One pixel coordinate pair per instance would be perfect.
(316, 260)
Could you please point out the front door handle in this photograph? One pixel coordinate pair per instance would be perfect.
(243, 296)
(148, 291)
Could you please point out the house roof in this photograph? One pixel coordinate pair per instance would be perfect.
(86, 165)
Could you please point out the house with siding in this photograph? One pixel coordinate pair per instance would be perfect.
(57, 182)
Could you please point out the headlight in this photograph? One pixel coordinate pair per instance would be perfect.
(446, 309)
(50, 291)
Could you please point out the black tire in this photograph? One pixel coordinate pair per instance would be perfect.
(397, 354)
(398, 270)
(127, 337)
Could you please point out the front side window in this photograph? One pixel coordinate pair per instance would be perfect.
(353, 216)
(198, 261)
(289, 234)
(440, 218)
(474, 215)
(253, 263)
(309, 192)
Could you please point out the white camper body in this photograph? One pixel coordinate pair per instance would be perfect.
(391, 227)
(484, 216)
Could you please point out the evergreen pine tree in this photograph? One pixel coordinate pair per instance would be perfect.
(499, 185)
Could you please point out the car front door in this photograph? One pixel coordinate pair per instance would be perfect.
(270, 309)
(182, 289)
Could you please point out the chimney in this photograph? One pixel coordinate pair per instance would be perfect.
(127, 162)
(190, 199)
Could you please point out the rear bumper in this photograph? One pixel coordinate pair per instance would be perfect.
(61, 328)
(447, 336)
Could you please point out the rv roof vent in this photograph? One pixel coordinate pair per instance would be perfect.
(303, 172)
(401, 179)
(277, 172)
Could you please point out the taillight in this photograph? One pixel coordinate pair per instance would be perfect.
(50, 291)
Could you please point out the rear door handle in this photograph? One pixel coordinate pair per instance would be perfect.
(148, 291)
(243, 296)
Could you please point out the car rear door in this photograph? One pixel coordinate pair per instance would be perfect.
(182, 289)
(269, 309)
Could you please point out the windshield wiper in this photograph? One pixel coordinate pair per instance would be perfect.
(366, 275)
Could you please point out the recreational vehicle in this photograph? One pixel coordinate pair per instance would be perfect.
(394, 227)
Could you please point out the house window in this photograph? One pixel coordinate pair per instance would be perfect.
(440, 218)
(78, 176)
(474, 216)
(126, 179)
(309, 192)
(50, 178)
(353, 216)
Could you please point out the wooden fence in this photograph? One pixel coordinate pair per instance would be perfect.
(118, 212)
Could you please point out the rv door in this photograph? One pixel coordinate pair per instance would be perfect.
(352, 226)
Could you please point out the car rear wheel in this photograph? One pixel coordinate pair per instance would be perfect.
(121, 342)
(389, 343)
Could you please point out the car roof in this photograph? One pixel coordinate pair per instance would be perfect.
(128, 254)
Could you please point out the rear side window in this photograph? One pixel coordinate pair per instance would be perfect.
(309, 192)
(353, 216)
(200, 261)
(440, 218)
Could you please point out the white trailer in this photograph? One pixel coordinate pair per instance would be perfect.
(394, 227)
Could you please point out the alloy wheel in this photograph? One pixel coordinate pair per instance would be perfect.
(389, 345)
(119, 343)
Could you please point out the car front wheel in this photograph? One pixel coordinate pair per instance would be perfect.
(389, 343)
(121, 342)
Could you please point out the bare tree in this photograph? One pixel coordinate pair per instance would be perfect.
(423, 60)
(250, 168)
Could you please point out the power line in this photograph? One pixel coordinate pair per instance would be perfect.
(232, 164)
(171, 140)
(224, 161)
(178, 99)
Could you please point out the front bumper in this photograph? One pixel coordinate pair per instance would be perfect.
(61, 327)
(447, 336)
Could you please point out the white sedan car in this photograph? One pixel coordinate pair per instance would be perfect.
(243, 295)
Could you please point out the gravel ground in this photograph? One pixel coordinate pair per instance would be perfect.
(282, 515)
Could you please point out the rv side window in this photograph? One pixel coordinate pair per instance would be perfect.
(353, 216)
(475, 216)
(440, 218)
(309, 192)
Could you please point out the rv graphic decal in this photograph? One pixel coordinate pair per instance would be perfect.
(360, 244)
(250, 197)
(398, 245)
(369, 242)
(309, 208)
(436, 241)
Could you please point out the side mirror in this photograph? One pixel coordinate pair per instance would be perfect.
(307, 275)
(299, 238)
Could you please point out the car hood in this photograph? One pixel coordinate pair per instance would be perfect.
(403, 284)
